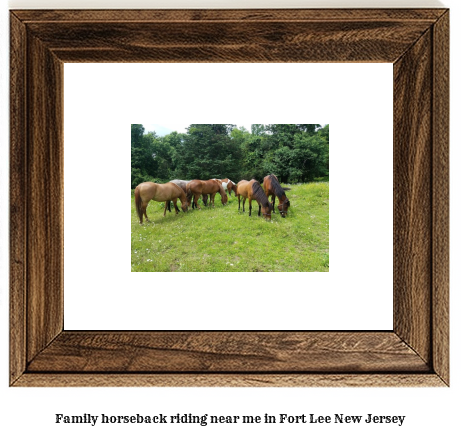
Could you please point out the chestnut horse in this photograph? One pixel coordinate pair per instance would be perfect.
(229, 185)
(272, 187)
(196, 188)
(148, 191)
(253, 191)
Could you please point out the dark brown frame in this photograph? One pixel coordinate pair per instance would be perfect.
(414, 353)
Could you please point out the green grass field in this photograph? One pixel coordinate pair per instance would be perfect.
(222, 239)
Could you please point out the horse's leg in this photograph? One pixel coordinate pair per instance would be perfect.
(244, 199)
(166, 207)
(212, 199)
(142, 214)
(239, 200)
(175, 204)
(196, 197)
(249, 201)
(259, 212)
(273, 202)
(144, 210)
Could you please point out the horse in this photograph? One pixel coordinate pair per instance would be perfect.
(229, 185)
(182, 184)
(210, 187)
(253, 191)
(272, 187)
(148, 191)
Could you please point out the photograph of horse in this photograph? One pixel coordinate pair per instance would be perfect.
(258, 162)
(228, 185)
(182, 184)
(253, 191)
(272, 187)
(197, 188)
(148, 191)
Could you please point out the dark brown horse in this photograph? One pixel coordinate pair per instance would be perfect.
(229, 185)
(148, 191)
(272, 187)
(253, 191)
(197, 188)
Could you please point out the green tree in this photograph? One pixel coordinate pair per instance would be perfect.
(309, 158)
(293, 152)
(143, 165)
(209, 152)
(296, 154)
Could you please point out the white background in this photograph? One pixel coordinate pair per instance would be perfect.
(427, 410)
(101, 101)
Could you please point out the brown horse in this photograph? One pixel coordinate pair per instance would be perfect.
(196, 188)
(182, 184)
(229, 185)
(148, 191)
(253, 191)
(272, 187)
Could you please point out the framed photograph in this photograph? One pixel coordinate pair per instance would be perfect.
(415, 352)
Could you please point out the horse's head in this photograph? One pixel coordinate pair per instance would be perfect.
(283, 208)
(224, 198)
(266, 211)
(185, 206)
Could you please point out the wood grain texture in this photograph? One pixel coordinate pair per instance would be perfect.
(247, 41)
(413, 196)
(441, 212)
(230, 380)
(235, 352)
(414, 354)
(44, 182)
(18, 235)
(205, 15)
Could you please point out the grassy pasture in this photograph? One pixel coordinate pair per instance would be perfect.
(222, 239)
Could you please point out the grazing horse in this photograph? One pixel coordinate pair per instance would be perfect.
(148, 191)
(196, 188)
(229, 185)
(253, 191)
(182, 184)
(272, 187)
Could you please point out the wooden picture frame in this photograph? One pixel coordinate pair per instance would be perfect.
(414, 353)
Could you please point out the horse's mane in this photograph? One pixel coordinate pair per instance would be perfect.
(259, 194)
(278, 190)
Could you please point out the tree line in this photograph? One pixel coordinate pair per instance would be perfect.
(293, 152)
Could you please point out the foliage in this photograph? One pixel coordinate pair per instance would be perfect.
(143, 166)
(293, 152)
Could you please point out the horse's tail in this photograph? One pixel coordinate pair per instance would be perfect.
(138, 202)
(285, 188)
(188, 193)
(223, 194)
